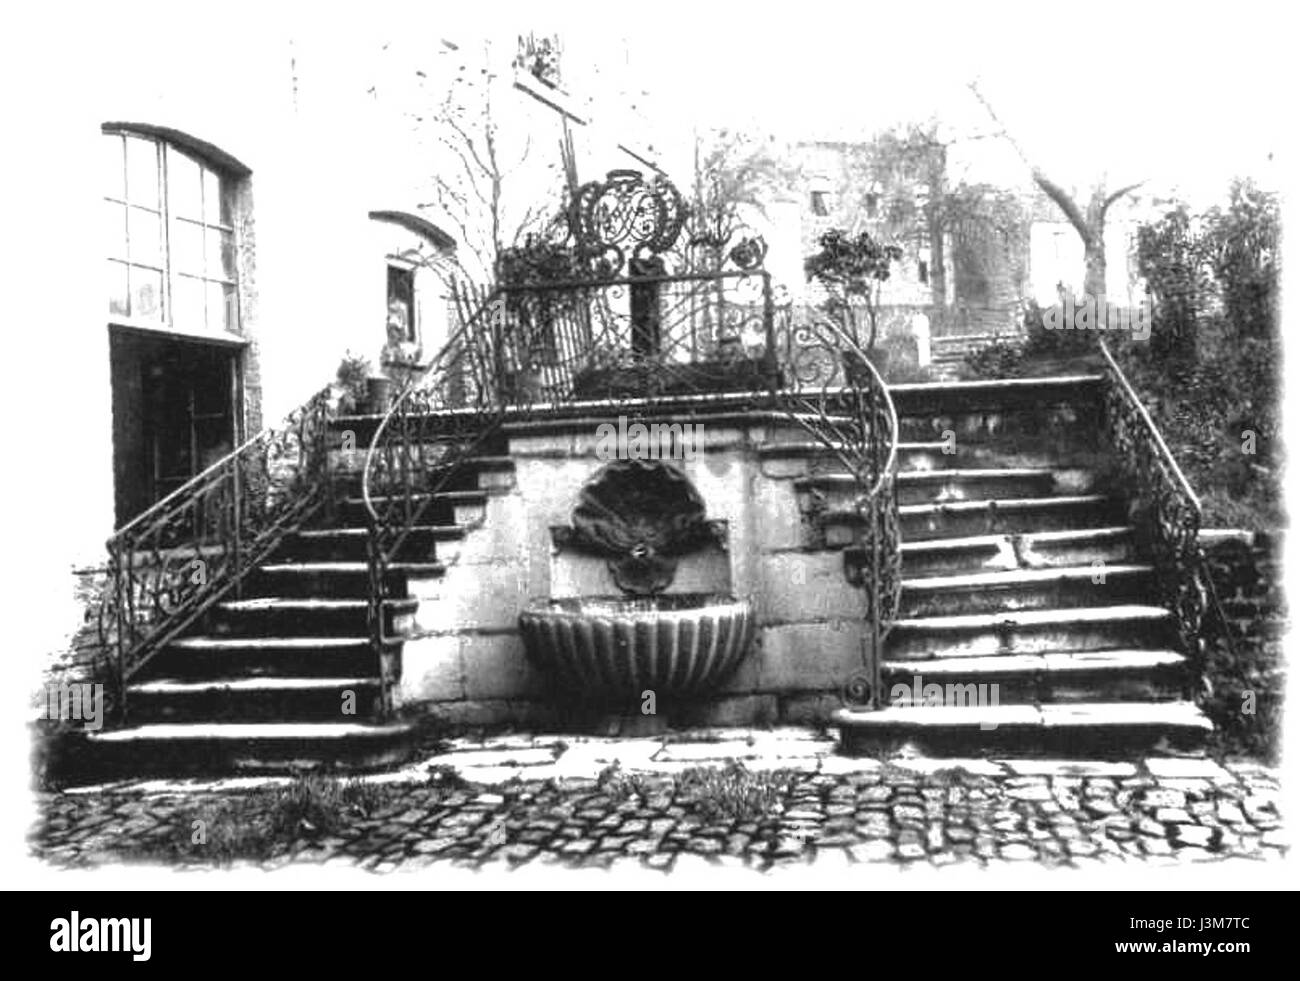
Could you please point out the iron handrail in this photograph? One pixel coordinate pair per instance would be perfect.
(1132, 397)
(431, 371)
(260, 436)
(868, 448)
(1181, 563)
(180, 556)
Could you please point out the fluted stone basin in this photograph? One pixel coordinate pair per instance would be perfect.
(613, 648)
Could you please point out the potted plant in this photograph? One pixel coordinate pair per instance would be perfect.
(379, 394)
(852, 269)
(350, 380)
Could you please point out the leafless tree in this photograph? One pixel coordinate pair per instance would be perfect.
(478, 162)
(1089, 219)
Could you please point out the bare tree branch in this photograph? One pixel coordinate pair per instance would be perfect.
(1112, 198)
(1065, 203)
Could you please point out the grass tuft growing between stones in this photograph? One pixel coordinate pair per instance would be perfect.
(733, 793)
(265, 823)
(616, 783)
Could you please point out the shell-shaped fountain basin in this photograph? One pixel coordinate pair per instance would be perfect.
(616, 647)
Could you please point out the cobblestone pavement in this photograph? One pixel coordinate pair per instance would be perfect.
(509, 801)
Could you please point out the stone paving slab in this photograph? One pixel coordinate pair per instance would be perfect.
(1175, 767)
(1071, 768)
(518, 802)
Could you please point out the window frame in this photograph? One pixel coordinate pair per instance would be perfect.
(407, 269)
(223, 221)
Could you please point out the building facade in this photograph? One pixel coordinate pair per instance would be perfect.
(267, 202)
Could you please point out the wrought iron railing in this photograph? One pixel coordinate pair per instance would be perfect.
(171, 563)
(836, 394)
(440, 421)
(635, 336)
(1170, 512)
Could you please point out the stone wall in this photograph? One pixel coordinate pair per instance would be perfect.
(1246, 678)
(466, 664)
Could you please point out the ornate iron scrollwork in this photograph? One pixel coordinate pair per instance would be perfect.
(1170, 512)
(843, 403)
(179, 557)
(625, 216)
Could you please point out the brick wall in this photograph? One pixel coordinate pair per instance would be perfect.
(1246, 679)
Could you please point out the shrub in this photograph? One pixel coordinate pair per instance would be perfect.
(351, 377)
(1001, 359)
(1042, 341)
(1250, 665)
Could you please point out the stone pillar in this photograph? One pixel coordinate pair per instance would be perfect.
(921, 328)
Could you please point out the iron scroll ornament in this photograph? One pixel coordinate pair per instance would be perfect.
(644, 515)
(625, 216)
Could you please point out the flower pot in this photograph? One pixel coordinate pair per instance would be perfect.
(379, 394)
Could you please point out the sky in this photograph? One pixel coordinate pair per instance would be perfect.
(1175, 94)
(1182, 95)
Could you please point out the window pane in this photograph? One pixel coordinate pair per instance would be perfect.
(221, 247)
(114, 167)
(227, 203)
(222, 307)
(232, 307)
(184, 186)
(142, 172)
(115, 280)
(187, 303)
(146, 236)
(187, 247)
(146, 293)
(114, 230)
(211, 197)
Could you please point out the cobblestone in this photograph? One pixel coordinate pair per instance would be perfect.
(913, 811)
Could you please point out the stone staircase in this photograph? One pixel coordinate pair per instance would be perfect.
(948, 353)
(1020, 567)
(283, 677)
(1021, 571)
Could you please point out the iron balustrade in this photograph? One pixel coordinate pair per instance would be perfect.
(442, 418)
(839, 398)
(641, 336)
(1169, 512)
(171, 563)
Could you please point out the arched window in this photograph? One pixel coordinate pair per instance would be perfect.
(170, 231)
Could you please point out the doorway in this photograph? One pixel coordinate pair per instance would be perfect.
(177, 409)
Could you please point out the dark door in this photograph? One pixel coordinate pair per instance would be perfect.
(175, 413)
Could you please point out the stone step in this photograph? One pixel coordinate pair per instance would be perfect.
(472, 473)
(274, 616)
(424, 544)
(1064, 410)
(935, 486)
(968, 519)
(459, 507)
(1031, 632)
(1046, 549)
(1068, 676)
(1012, 590)
(924, 400)
(331, 580)
(208, 657)
(1070, 730)
(458, 428)
(800, 458)
(255, 699)
(919, 522)
(194, 748)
